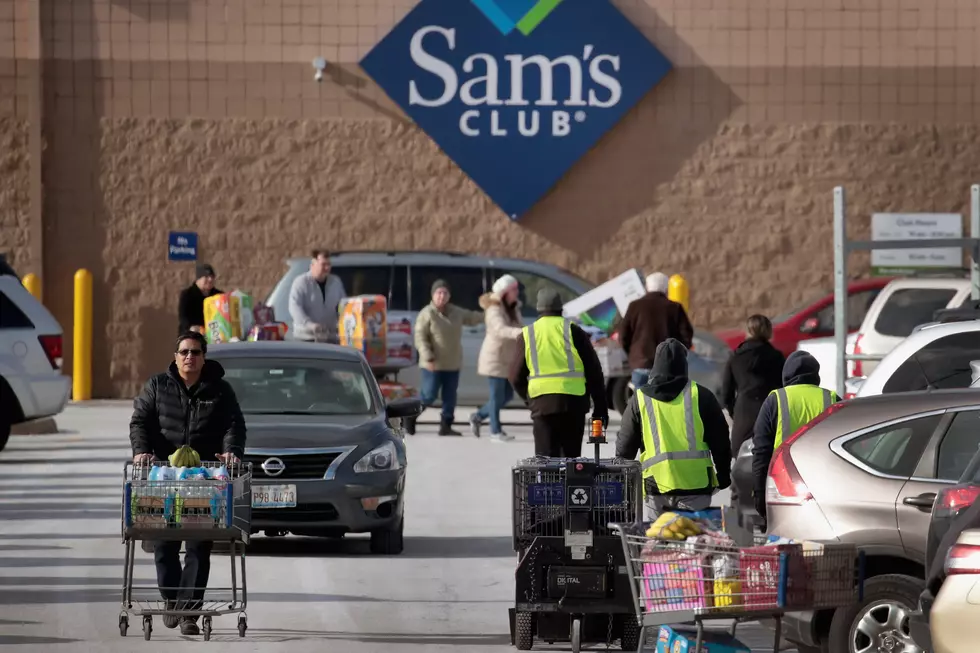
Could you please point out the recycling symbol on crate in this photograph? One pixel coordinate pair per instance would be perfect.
(580, 496)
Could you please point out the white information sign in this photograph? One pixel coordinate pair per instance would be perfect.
(915, 226)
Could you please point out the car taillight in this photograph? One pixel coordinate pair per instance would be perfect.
(952, 500)
(963, 559)
(856, 368)
(784, 485)
(52, 347)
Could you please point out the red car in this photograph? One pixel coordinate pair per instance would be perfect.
(816, 319)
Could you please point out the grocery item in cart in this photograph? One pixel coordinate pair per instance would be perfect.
(674, 581)
(725, 577)
(393, 390)
(185, 456)
(364, 326)
(683, 640)
(760, 568)
(263, 314)
(671, 526)
(222, 321)
(275, 331)
(246, 308)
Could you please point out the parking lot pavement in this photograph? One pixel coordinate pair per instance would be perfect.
(61, 556)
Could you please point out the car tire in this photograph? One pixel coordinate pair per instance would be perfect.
(897, 589)
(5, 427)
(620, 394)
(389, 541)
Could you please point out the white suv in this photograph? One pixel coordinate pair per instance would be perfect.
(31, 383)
(898, 309)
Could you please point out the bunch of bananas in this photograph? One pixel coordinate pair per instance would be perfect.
(185, 457)
(671, 526)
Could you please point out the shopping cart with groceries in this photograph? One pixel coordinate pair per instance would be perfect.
(207, 502)
(683, 571)
(571, 581)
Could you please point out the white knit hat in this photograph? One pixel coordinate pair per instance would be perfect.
(504, 283)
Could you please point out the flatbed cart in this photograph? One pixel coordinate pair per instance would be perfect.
(156, 511)
(698, 581)
(571, 579)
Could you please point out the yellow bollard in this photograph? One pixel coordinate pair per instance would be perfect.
(678, 291)
(33, 284)
(82, 355)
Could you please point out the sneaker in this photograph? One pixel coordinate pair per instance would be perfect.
(171, 620)
(501, 437)
(475, 424)
(189, 627)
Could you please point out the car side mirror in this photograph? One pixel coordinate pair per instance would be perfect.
(400, 408)
(810, 325)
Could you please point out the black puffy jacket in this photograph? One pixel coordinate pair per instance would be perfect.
(167, 414)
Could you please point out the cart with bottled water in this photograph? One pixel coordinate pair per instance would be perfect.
(570, 581)
(679, 579)
(213, 505)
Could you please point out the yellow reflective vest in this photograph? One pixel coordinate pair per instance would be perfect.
(552, 360)
(674, 452)
(796, 405)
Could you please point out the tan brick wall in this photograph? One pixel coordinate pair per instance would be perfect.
(204, 116)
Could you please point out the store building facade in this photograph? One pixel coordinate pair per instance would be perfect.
(124, 120)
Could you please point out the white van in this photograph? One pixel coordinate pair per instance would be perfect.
(898, 309)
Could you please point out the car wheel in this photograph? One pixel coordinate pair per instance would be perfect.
(880, 623)
(620, 394)
(4, 433)
(389, 541)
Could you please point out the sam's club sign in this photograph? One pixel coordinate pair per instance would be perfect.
(515, 91)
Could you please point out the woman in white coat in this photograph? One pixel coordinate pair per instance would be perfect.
(503, 326)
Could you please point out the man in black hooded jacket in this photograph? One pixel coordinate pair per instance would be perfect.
(668, 380)
(190, 404)
(800, 369)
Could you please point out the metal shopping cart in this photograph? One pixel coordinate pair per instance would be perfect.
(700, 580)
(571, 580)
(156, 511)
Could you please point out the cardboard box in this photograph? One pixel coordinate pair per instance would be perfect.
(269, 331)
(683, 640)
(222, 321)
(762, 567)
(364, 326)
(393, 390)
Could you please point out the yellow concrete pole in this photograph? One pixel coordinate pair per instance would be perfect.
(678, 291)
(33, 284)
(82, 355)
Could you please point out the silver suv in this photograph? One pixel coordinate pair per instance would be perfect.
(406, 278)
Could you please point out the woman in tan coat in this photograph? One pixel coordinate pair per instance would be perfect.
(503, 322)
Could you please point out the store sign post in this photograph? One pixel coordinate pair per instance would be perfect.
(515, 91)
(915, 226)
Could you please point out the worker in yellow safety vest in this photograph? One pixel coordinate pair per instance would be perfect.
(785, 411)
(681, 434)
(557, 375)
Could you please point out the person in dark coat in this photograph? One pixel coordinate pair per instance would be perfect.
(669, 378)
(189, 404)
(753, 371)
(558, 420)
(649, 321)
(190, 307)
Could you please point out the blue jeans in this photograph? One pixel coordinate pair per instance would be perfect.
(640, 378)
(501, 392)
(447, 382)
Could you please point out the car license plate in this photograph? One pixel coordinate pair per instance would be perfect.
(274, 496)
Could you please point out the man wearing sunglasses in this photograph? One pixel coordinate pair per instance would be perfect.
(190, 404)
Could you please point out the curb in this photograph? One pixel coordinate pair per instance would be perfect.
(43, 426)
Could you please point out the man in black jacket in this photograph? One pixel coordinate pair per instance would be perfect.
(190, 308)
(668, 380)
(189, 404)
(558, 418)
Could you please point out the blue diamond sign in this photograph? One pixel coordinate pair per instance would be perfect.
(515, 91)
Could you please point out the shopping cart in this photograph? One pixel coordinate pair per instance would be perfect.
(704, 579)
(571, 581)
(156, 511)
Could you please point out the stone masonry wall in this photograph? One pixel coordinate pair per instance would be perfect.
(14, 192)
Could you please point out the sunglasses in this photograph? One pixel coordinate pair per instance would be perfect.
(190, 352)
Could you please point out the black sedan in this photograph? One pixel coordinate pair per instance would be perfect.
(328, 457)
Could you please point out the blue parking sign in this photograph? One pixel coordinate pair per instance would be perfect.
(182, 246)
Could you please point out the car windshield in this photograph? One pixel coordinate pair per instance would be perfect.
(270, 386)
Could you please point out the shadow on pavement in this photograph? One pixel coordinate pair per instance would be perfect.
(58, 536)
(32, 547)
(62, 446)
(21, 494)
(20, 478)
(14, 515)
(11, 640)
(17, 622)
(69, 562)
(415, 547)
(115, 460)
(462, 639)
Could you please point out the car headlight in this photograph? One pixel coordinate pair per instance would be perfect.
(380, 459)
